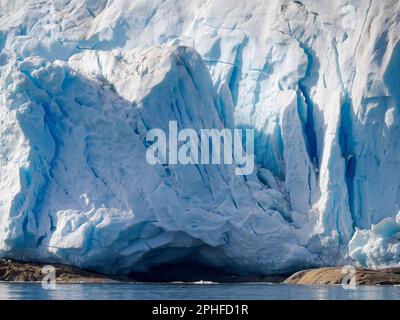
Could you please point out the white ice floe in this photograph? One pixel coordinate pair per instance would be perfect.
(378, 247)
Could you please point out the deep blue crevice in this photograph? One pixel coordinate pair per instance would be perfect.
(347, 150)
(3, 38)
(40, 240)
(41, 195)
(309, 127)
(25, 225)
(351, 164)
(237, 71)
(271, 154)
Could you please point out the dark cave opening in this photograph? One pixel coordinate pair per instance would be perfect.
(195, 272)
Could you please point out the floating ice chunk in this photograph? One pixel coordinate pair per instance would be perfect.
(378, 247)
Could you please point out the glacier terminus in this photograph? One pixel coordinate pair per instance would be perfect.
(82, 82)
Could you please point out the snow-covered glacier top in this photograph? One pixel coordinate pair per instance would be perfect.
(83, 81)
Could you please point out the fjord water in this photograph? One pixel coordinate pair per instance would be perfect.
(246, 291)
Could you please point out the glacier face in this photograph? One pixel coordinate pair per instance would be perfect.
(83, 81)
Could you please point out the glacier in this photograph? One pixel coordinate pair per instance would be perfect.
(83, 81)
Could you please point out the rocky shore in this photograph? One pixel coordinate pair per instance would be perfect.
(17, 271)
(334, 275)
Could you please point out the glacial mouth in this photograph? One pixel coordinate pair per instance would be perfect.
(196, 272)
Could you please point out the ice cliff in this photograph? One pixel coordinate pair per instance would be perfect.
(81, 82)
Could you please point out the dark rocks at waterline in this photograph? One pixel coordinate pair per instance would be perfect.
(18, 271)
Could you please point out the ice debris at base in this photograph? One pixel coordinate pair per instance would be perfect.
(82, 81)
(378, 247)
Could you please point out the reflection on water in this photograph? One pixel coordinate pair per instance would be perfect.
(259, 291)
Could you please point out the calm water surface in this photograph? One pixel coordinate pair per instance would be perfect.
(260, 291)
